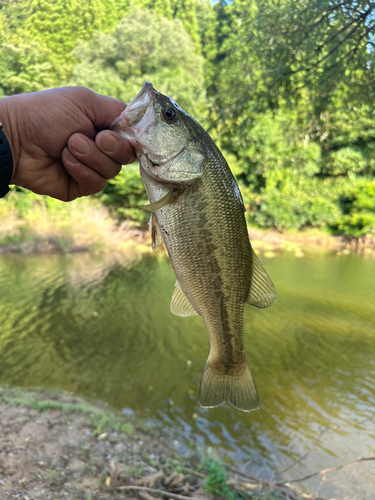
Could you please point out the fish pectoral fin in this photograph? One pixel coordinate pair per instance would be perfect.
(238, 389)
(180, 304)
(262, 292)
(166, 200)
(154, 228)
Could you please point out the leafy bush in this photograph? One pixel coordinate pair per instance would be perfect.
(143, 47)
(356, 197)
(126, 193)
(347, 160)
(292, 201)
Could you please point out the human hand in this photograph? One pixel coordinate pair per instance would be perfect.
(55, 145)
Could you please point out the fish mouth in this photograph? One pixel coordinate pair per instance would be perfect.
(136, 109)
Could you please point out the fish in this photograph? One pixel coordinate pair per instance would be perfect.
(198, 212)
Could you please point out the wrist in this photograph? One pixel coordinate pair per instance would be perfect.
(9, 128)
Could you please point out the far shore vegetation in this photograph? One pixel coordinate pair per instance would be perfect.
(39, 224)
(286, 91)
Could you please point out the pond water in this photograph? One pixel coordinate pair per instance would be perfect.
(103, 330)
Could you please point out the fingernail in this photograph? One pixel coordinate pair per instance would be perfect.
(70, 157)
(80, 145)
(108, 143)
(131, 160)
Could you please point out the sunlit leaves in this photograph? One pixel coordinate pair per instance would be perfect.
(143, 47)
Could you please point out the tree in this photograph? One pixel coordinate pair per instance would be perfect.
(185, 10)
(293, 101)
(39, 36)
(143, 47)
(285, 47)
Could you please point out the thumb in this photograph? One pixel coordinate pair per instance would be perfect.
(103, 110)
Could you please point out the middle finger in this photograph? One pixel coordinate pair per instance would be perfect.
(85, 150)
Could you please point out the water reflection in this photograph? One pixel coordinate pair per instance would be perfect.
(103, 330)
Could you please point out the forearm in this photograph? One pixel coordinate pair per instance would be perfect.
(8, 113)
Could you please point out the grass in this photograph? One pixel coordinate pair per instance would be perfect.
(217, 479)
(100, 419)
(217, 483)
(30, 222)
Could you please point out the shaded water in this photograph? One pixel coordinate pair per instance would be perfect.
(104, 331)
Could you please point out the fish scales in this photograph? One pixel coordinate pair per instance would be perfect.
(212, 264)
(199, 214)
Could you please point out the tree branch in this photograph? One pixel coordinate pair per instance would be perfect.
(319, 21)
(324, 471)
(361, 18)
(332, 51)
(321, 433)
(160, 492)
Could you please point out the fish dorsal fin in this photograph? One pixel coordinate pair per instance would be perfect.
(180, 305)
(262, 292)
(154, 228)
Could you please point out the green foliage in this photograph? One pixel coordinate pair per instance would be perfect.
(58, 25)
(143, 47)
(24, 67)
(293, 201)
(185, 10)
(347, 160)
(274, 143)
(286, 91)
(356, 197)
(216, 481)
(126, 193)
(38, 38)
(300, 136)
(35, 222)
(285, 47)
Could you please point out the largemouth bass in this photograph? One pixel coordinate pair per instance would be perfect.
(197, 210)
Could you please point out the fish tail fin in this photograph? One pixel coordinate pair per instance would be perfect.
(236, 387)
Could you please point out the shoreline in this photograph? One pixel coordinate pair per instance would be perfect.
(128, 238)
(269, 241)
(36, 225)
(55, 443)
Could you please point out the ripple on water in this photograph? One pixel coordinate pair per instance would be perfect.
(103, 329)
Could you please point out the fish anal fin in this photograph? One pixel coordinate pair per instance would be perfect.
(180, 304)
(262, 291)
(154, 228)
(237, 388)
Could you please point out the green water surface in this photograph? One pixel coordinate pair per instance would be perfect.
(103, 329)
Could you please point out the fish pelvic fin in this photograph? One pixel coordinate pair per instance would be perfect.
(262, 291)
(180, 304)
(168, 199)
(235, 387)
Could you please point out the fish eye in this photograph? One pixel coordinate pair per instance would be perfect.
(169, 115)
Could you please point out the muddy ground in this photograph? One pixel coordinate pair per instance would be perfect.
(79, 451)
(56, 446)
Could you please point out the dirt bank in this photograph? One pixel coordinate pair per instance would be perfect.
(268, 241)
(56, 446)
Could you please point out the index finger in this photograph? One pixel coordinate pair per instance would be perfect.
(115, 146)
